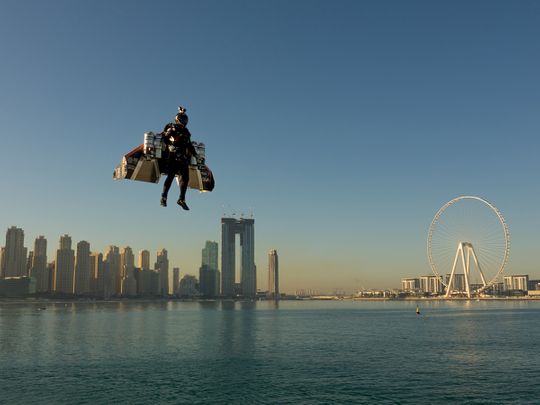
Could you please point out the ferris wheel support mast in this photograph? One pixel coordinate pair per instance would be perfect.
(465, 251)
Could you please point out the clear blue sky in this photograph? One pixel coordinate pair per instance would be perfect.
(343, 125)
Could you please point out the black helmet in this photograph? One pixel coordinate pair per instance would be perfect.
(181, 117)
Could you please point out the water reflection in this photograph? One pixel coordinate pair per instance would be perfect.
(184, 352)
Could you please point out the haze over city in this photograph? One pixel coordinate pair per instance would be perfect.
(342, 127)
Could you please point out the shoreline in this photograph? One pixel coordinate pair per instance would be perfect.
(56, 300)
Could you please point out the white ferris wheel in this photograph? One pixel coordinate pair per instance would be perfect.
(468, 245)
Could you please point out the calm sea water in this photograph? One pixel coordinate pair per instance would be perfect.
(292, 352)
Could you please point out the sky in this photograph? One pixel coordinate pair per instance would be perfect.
(342, 127)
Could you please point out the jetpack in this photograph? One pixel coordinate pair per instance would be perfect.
(148, 162)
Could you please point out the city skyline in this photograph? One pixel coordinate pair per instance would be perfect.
(74, 271)
(342, 128)
(209, 257)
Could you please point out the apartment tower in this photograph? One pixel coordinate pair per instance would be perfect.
(273, 275)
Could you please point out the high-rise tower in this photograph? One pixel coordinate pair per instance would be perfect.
(127, 266)
(210, 254)
(39, 265)
(65, 267)
(82, 268)
(2, 250)
(14, 258)
(111, 272)
(209, 280)
(162, 267)
(144, 260)
(230, 227)
(96, 269)
(273, 274)
(176, 280)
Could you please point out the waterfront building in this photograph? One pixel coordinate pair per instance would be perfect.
(17, 286)
(111, 272)
(147, 282)
(83, 269)
(127, 261)
(209, 276)
(96, 277)
(129, 285)
(431, 284)
(304, 293)
(14, 257)
(144, 260)
(273, 274)
(410, 284)
(29, 260)
(144, 279)
(230, 227)
(162, 267)
(2, 250)
(516, 282)
(176, 279)
(40, 270)
(210, 255)
(534, 285)
(65, 267)
(208, 281)
(458, 284)
(51, 268)
(189, 287)
(498, 288)
(127, 267)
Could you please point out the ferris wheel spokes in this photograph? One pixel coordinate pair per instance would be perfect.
(480, 232)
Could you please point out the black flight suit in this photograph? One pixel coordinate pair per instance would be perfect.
(179, 149)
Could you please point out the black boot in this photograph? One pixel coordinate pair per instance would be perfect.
(163, 201)
(182, 204)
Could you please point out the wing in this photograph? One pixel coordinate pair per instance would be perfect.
(147, 163)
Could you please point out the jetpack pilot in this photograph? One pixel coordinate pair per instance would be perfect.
(177, 139)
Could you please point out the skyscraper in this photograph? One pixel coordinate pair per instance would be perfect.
(176, 279)
(162, 267)
(230, 227)
(51, 270)
(65, 267)
(273, 274)
(111, 272)
(148, 283)
(83, 270)
(2, 263)
(39, 265)
(14, 257)
(209, 277)
(96, 270)
(129, 285)
(210, 254)
(29, 261)
(144, 260)
(144, 278)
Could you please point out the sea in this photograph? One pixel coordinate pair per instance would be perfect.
(264, 352)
